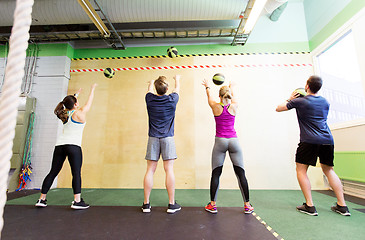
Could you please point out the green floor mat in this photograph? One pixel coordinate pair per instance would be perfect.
(275, 207)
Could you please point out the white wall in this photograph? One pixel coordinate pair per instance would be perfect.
(319, 13)
(268, 139)
(49, 87)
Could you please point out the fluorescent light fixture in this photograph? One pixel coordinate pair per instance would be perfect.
(89, 9)
(254, 15)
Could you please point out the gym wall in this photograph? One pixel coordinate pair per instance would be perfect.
(115, 135)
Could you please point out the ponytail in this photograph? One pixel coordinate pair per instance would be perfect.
(67, 103)
(60, 112)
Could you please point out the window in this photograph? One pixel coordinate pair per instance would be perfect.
(342, 83)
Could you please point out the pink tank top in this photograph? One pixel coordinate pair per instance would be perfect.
(224, 124)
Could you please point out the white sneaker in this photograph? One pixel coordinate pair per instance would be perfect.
(41, 203)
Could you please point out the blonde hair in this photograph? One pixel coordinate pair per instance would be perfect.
(225, 92)
(160, 85)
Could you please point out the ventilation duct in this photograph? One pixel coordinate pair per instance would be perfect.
(271, 5)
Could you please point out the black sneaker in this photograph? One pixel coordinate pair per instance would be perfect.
(307, 209)
(79, 205)
(343, 210)
(146, 208)
(41, 203)
(173, 208)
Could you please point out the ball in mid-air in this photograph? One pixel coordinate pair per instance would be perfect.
(109, 72)
(172, 52)
(218, 79)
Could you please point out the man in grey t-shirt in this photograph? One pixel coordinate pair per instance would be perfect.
(315, 141)
(161, 120)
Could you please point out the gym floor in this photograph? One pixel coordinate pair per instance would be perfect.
(116, 214)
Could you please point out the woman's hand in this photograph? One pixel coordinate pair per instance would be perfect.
(205, 83)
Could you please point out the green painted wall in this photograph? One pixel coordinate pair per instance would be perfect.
(65, 49)
(338, 21)
(193, 49)
(350, 165)
(3, 51)
(56, 49)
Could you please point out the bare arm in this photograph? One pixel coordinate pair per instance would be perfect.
(211, 101)
(177, 83)
(89, 101)
(78, 92)
(232, 87)
(282, 107)
(150, 86)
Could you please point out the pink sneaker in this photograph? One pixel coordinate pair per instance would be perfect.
(211, 208)
(248, 209)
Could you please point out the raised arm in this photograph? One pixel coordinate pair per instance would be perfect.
(87, 105)
(282, 107)
(232, 87)
(150, 86)
(211, 101)
(177, 83)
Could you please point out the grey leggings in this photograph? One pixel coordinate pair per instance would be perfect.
(221, 146)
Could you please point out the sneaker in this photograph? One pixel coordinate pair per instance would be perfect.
(307, 209)
(146, 208)
(211, 208)
(173, 208)
(79, 205)
(343, 210)
(248, 209)
(41, 203)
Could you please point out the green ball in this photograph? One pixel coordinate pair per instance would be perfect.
(218, 79)
(301, 91)
(172, 52)
(109, 72)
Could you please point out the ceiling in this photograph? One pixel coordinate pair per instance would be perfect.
(136, 22)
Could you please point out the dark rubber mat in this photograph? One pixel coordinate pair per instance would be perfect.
(360, 210)
(22, 193)
(61, 222)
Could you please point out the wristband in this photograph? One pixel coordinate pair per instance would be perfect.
(207, 87)
(288, 100)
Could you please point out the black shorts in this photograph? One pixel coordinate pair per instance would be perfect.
(308, 153)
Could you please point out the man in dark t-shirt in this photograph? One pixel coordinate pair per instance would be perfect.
(161, 119)
(315, 141)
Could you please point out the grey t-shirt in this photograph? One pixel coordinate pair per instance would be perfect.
(312, 112)
(161, 114)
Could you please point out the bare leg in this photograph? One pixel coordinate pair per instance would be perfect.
(148, 180)
(43, 196)
(77, 197)
(304, 182)
(170, 179)
(335, 183)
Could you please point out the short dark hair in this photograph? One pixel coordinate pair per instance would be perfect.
(314, 83)
(160, 85)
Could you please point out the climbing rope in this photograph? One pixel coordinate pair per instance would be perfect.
(9, 98)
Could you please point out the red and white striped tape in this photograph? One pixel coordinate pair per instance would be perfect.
(195, 67)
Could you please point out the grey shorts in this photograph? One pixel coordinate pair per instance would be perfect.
(161, 146)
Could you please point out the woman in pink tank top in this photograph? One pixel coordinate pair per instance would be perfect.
(226, 140)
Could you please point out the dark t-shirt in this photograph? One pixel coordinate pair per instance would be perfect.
(161, 114)
(312, 114)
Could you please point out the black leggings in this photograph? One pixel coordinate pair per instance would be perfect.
(74, 155)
